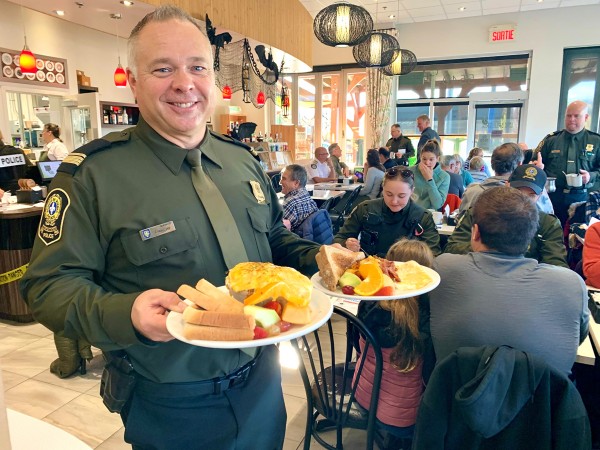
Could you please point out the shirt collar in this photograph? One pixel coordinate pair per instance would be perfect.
(170, 154)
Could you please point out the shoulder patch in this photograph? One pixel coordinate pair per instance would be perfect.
(74, 159)
(51, 224)
(233, 141)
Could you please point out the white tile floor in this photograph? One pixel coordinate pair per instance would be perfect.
(74, 404)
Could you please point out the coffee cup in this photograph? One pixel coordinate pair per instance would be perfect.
(574, 179)
(437, 217)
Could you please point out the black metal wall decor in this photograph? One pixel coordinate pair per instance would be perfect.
(342, 25)
(378, 50)
(404, 64)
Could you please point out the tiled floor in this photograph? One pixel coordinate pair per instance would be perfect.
(74, 404)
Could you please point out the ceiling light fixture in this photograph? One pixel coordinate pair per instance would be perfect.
(379, 49)
(59, 12)
(391, 16)
(26, 58)
(126, 3)
(342, 25)
(462, 8)
(120, 77)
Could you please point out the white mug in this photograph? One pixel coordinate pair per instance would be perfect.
(437, 217)
(574, 179)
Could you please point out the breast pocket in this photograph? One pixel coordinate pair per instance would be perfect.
(159, 255)
(260, 218)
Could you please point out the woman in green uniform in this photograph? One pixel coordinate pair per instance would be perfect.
(382, 221)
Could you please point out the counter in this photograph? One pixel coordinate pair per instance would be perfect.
(17, 233)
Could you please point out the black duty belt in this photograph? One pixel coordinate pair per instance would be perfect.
(205, 387)
(575, 191)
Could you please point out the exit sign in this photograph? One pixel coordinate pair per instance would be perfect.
(503, 33)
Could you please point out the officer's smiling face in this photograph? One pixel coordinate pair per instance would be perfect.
(396, 194)
(174, 80)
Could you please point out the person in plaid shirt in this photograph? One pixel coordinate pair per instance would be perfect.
(297, 204)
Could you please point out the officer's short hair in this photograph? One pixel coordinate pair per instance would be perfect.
(506, 158)
(397, 126)
(332, 147)
(507, 220)
(298, 173)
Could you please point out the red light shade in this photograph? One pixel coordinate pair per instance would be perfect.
(260, 98)
(120, 77)
(226, 92)
(27, 61)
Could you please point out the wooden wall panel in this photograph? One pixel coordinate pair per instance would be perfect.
(283, 24)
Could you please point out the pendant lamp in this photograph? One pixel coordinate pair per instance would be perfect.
(405, 63)
(342, 25)
(26, 58)
(226, 91)
(285, 101)
(378, 50)
(260, 98)
(120, 77)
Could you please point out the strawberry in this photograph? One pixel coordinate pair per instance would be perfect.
(260, 333)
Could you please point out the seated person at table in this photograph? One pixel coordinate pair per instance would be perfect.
(431, 182)
(458, 169)
(383, 221)
(373, 175)
(496, 296)
(591, 256)
(476, 151)
(456, 186)
(476, 166)
(397, 327)
(547, 244)
(16, 170)
(320, 169)
(297, 204)
(339, 167)
(384, 158)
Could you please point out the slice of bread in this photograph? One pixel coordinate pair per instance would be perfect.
(333, 262)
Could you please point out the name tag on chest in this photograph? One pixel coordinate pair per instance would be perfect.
(157, 230)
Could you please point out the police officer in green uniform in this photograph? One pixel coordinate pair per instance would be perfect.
(574, 150)
(125, 224)
(400, 145)
(382, 221)
(547, 244)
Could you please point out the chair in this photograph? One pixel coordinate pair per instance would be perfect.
(316, 228)
(453, 201)
(330, 384)
(275, 179)
(343, 209)
(330, 203)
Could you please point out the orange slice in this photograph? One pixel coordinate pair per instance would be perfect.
(372, 278)
(293, 293)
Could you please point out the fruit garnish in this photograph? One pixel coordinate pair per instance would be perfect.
(284, 326)
(260, 333)
(275, 306)
(275, 290)
(385, 291)
(372, 276)
(349, 279)
(264, 317)
(348, 290)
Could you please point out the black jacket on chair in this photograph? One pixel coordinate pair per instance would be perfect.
(500, 398)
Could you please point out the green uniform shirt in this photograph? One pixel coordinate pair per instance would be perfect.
(379, 227)
(86, 281)
(338, 166)
(547, 245)
(554, 149)
(401, 143)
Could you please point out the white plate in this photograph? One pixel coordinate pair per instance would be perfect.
(59, 67)
(41, 76)
(321, 307)
(30, 76)
(50, 77)
(435, 280)
(16, 59)
(60, 78)
(7, 59)
(8, 71)
(39, 63)
(49, 65)
(20, 75)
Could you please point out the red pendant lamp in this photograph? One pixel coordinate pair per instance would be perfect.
(226, 92)
(26, 58)
(120, 77)
(260, 98)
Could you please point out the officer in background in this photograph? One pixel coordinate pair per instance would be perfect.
(400, 145)
(339, 167)
(574, 150)
(320, 169)
(112, 249)
(16, 170)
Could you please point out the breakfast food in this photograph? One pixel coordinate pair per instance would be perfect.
(333, 262)
(259, 283)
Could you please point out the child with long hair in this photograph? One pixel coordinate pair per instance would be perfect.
(400, 327)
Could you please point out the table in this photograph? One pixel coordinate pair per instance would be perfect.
(585, 352)
(445, 229)
(18, 228)
(29, 433)
(333, 186)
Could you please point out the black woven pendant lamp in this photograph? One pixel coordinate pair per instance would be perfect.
(342, 25)
(405, 63)
(377, 50)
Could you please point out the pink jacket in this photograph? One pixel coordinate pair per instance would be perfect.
(400, 392)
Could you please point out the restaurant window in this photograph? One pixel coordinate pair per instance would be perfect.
(580, 81)
(306, 109)
(356, 116)
(330, 109)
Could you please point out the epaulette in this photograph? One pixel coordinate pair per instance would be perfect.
(74, 159)
(538, 148)
(233, 141)
(593, 132)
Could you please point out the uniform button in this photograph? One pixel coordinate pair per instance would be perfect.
(164, 250)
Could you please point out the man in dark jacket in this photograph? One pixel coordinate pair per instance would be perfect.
(427, 133)
(384, 158)
(400, 145)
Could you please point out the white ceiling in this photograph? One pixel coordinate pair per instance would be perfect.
(409, 11)
(96, 13)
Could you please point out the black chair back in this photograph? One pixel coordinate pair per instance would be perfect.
(275, 179)
(330, 203)
(330, 384)
(343, 209)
